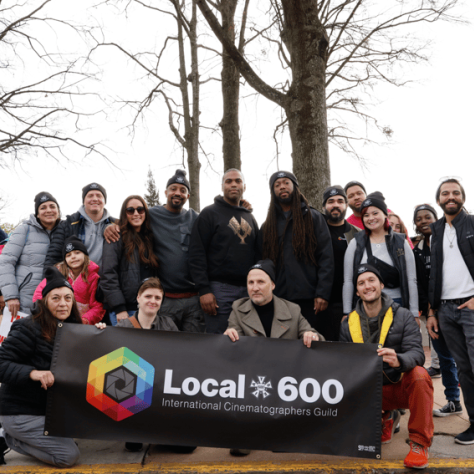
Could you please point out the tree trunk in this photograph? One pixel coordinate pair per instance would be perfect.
(307, 43)
(230, 92)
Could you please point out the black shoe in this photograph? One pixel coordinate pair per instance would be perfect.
(182, 449)
(3, 450)
(451, 408)
(133, 447)
(466, 437)
(434, 373)
(397, 429)
(239, 452)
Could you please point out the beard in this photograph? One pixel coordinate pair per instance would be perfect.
(336, 217)
(286, 200)
(176, 205)
(452, 211)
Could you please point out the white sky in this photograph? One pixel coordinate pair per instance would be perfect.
(431, 119)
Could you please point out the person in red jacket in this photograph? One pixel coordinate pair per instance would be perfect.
(83, 274)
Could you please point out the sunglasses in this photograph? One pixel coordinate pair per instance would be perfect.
(131, 210)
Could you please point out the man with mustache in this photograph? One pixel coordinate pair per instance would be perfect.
(451, 290)
(356, 195)
(335, 207)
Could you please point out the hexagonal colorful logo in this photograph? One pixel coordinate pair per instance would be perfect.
(120, 384)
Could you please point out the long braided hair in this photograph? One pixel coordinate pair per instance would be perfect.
(303, 240)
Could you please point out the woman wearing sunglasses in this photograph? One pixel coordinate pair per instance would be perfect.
(128, 261)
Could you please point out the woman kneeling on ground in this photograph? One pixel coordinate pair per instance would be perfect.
(25, 375)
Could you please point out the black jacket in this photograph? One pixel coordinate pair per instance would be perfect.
(403, 337)
(422, 278)
(298, 279)
(22, 351)
(223, 245)
(464, 225)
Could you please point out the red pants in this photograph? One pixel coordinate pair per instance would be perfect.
(415, 392)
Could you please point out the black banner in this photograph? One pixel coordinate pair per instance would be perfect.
(204, 390)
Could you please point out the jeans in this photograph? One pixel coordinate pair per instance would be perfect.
(225, 295)
(415, 392)
(185, 312)
(113, 317)
(458, 330)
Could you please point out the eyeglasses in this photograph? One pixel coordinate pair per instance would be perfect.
(131, 210)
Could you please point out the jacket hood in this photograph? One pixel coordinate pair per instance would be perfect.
(221, 202)
(83, 213)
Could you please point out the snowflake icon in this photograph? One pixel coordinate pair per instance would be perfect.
(261, 387)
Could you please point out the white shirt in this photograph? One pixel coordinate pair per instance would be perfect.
(457, 280)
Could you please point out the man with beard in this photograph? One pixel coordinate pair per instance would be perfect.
(223, 248)
(356, 195)
(296, 238)
(451, 290)
(335, 207)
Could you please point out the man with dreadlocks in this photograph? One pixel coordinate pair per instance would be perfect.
(296, 237)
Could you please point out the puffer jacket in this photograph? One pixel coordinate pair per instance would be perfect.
(84, 294)
(22, 261)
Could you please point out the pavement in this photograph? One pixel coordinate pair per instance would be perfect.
(111, 458)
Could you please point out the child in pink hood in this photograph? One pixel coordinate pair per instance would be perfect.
(83, 274)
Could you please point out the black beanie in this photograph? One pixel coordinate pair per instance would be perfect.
(180, 178)
(267, 266)
(364, 268)
(331, 191)
(94, 187)
(282, 174)
(354, 183)
(424, 207)
(74, 243)
(42, 197)
(54, 279)
(375, 199)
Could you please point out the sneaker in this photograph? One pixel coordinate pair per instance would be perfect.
(417, 457)
(389, 424)
(133, 447)
(466, 437)
(3, 449)
(434, 373)
(451, 408)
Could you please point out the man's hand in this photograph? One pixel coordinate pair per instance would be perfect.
(209, 304)
(309, 337)
(13, 307)
(432, 327)
(121, 316)
(112, 233)
(320, 304)
(45, 377)
(246, 205)
(468, 304)
(389, 356)
(232, 333)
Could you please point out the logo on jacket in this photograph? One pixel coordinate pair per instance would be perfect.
(261, 387)
(120, 384)
(242, 230)
(69, 248)
(44, 198)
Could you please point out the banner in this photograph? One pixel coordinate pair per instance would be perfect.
(204, 390)
(7, 321)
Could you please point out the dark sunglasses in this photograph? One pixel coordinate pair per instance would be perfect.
(131, 210)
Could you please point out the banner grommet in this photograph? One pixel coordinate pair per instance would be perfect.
(46, 433)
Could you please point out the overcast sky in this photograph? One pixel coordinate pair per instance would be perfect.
(431, 119)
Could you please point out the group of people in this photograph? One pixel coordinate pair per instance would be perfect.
(313, 276)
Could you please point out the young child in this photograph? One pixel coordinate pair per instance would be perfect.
(83, 275)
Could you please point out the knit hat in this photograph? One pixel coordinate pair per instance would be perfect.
(282, 174)
(267, 266)
(354, 183)
(424, 207)
(54, 279)
(42, 197)
(331, 191)
(375, 199)
(180, 178)
(74, 243)
(93, 187)
(364, 268)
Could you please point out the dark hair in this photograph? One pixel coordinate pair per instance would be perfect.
(153, 282)
(48, 322)
(143, 240)
(232, 169)
(303, 240)
(386, 224)
(450, 180)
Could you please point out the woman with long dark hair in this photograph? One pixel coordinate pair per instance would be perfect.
(25, 375)
(128, 261)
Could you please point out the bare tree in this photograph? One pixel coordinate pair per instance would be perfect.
(41, 82)
(152, 195)
(335, 52)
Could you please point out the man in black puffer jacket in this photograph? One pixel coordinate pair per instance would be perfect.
(406, 384)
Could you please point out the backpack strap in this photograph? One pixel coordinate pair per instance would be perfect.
(134, 322)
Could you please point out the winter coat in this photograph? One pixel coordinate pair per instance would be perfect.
(22, 351)
(84, 294)
(403, 337)
(160, 323)
(22, 261)
(422, 278)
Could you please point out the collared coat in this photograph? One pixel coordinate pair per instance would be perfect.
(288, 322)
